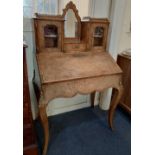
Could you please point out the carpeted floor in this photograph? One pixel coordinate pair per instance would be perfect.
(86, 132)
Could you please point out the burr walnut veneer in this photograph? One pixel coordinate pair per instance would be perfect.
(80, 64)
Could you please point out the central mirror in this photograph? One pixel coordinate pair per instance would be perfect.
(71, 25)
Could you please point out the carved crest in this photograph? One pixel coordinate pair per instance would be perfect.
(72, 6)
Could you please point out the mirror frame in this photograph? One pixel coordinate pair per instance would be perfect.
(72, 6)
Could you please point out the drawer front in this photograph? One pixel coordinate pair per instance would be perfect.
(74, 47)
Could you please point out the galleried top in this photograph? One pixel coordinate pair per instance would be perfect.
(66, 33)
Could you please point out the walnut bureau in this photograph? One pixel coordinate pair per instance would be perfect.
(72, 58)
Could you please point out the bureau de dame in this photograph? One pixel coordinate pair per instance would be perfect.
(72, 58)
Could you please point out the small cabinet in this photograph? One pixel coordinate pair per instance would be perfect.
(99, 33)
(95, 33)
(48, 33)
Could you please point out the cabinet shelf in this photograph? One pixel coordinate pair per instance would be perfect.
(97, 36)
(50, 36)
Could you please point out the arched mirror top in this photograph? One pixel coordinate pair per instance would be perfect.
(72, 6)
(72, 25)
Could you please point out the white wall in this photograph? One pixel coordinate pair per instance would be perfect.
(99, 8)
(125, 40)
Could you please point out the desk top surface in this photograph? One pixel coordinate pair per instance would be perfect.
(65, 67)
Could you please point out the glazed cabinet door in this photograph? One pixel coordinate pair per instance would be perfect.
(98, 36)
(48, 35)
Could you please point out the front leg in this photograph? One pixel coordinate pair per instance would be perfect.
(115, 100)
(44, 121)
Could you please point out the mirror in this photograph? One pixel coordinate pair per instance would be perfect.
(70, 25)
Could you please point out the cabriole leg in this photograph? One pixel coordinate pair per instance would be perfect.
(44, 122)
(115, 100)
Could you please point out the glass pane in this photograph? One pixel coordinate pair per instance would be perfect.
(51, 36)
(98, 36)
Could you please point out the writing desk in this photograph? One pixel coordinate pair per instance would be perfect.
(65, 75)
(72, 58)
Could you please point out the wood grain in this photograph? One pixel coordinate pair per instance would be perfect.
(75, 66)
(72, 48)
(81, 86)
